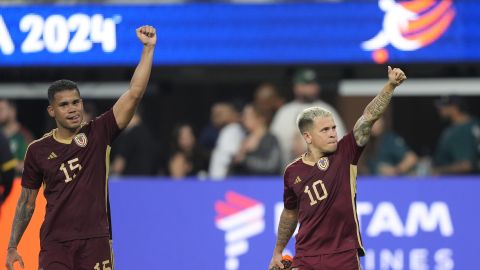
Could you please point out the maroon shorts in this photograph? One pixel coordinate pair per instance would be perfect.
(346, 260)
(83, 254)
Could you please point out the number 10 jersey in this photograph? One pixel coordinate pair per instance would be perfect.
(324, 193)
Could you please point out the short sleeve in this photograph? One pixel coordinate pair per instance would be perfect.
(290, 200)
(107, 126)
(348, 146)
(32, 176)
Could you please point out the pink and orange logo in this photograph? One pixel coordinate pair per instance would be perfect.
(241, 218)
(409, 26)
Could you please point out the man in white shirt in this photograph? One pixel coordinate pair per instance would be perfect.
(226, 118)
(306, 90)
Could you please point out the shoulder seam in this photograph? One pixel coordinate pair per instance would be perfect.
(46, 135)
(290, 164)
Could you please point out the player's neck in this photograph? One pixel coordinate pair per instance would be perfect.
(313, 156)
(65, 134)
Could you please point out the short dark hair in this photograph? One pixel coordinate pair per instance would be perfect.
(59, 86)
(452, 100)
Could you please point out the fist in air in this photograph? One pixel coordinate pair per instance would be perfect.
(396, 76)
(147, 35)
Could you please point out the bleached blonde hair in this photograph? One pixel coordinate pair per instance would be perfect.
(306, 117)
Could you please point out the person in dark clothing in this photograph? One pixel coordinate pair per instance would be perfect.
(186, 157)
(134, 150)
(7, 168)
(260, 152)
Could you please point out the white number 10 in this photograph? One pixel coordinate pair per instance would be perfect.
(314, 200)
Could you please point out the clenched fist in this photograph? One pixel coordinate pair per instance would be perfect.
(396, 76)
(147, 35)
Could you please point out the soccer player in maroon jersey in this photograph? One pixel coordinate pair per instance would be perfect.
(320, 189)
(71, 162)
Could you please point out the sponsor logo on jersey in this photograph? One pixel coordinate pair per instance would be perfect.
(410, 25)
(323, 164)
(297, 180)
(241, 218)
(52, 156)
(81, 139)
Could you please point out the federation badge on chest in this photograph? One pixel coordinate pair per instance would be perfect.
(80, 139)
(323, 163)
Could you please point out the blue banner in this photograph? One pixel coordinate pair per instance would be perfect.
(411, 224)
(204, 34)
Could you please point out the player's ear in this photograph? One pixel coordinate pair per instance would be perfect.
(50, 111)
(307, 137)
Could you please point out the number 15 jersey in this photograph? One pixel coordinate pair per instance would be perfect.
(74, 174)
(324, 193)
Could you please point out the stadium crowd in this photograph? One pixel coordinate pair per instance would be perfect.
(259, 137)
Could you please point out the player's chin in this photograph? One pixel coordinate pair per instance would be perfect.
(72, 125)
(332, 147)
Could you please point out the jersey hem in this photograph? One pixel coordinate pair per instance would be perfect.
(46, 243)
(313, 254)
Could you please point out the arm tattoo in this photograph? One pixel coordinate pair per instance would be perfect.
(372, 113)
(361, 131)
(286, 228)
(23, 214)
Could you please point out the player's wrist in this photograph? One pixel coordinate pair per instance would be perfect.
(393, 84)
(149, 46)
(278, 251)
(10, 248)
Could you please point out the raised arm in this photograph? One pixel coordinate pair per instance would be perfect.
(377, 106)
(286, 228)
(126, 105)
(23, 215)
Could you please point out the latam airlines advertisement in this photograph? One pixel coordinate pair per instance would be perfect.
(406, 223)
(203, 34)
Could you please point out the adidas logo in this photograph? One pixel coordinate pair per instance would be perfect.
(297, 180)
(52, 156)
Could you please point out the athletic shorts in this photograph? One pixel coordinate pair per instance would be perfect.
(346, 260)
(82, 254)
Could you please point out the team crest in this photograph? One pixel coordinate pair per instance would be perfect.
(81, 139)
(323, 163)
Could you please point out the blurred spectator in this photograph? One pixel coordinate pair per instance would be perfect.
(134, 149)
(457, 151)
(259, 153)
(268, 100)
(387, 153)
(208, 137)
(306, 90)
(226, 118)
(7, 169)
(18, 136)
(90, 111)
(186, 158)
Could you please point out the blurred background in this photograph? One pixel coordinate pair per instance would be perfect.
(217, 124)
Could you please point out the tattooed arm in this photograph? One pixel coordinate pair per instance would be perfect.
(23, 214)
(286, 228)
(377, 106)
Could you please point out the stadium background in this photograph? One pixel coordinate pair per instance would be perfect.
(215, 50)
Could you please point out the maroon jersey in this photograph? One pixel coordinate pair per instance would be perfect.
(325, 195)
(74, 175)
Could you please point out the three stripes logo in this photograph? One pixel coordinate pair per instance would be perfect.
(297, 180)
(241, 218)
(410, 25)
(52, 156)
